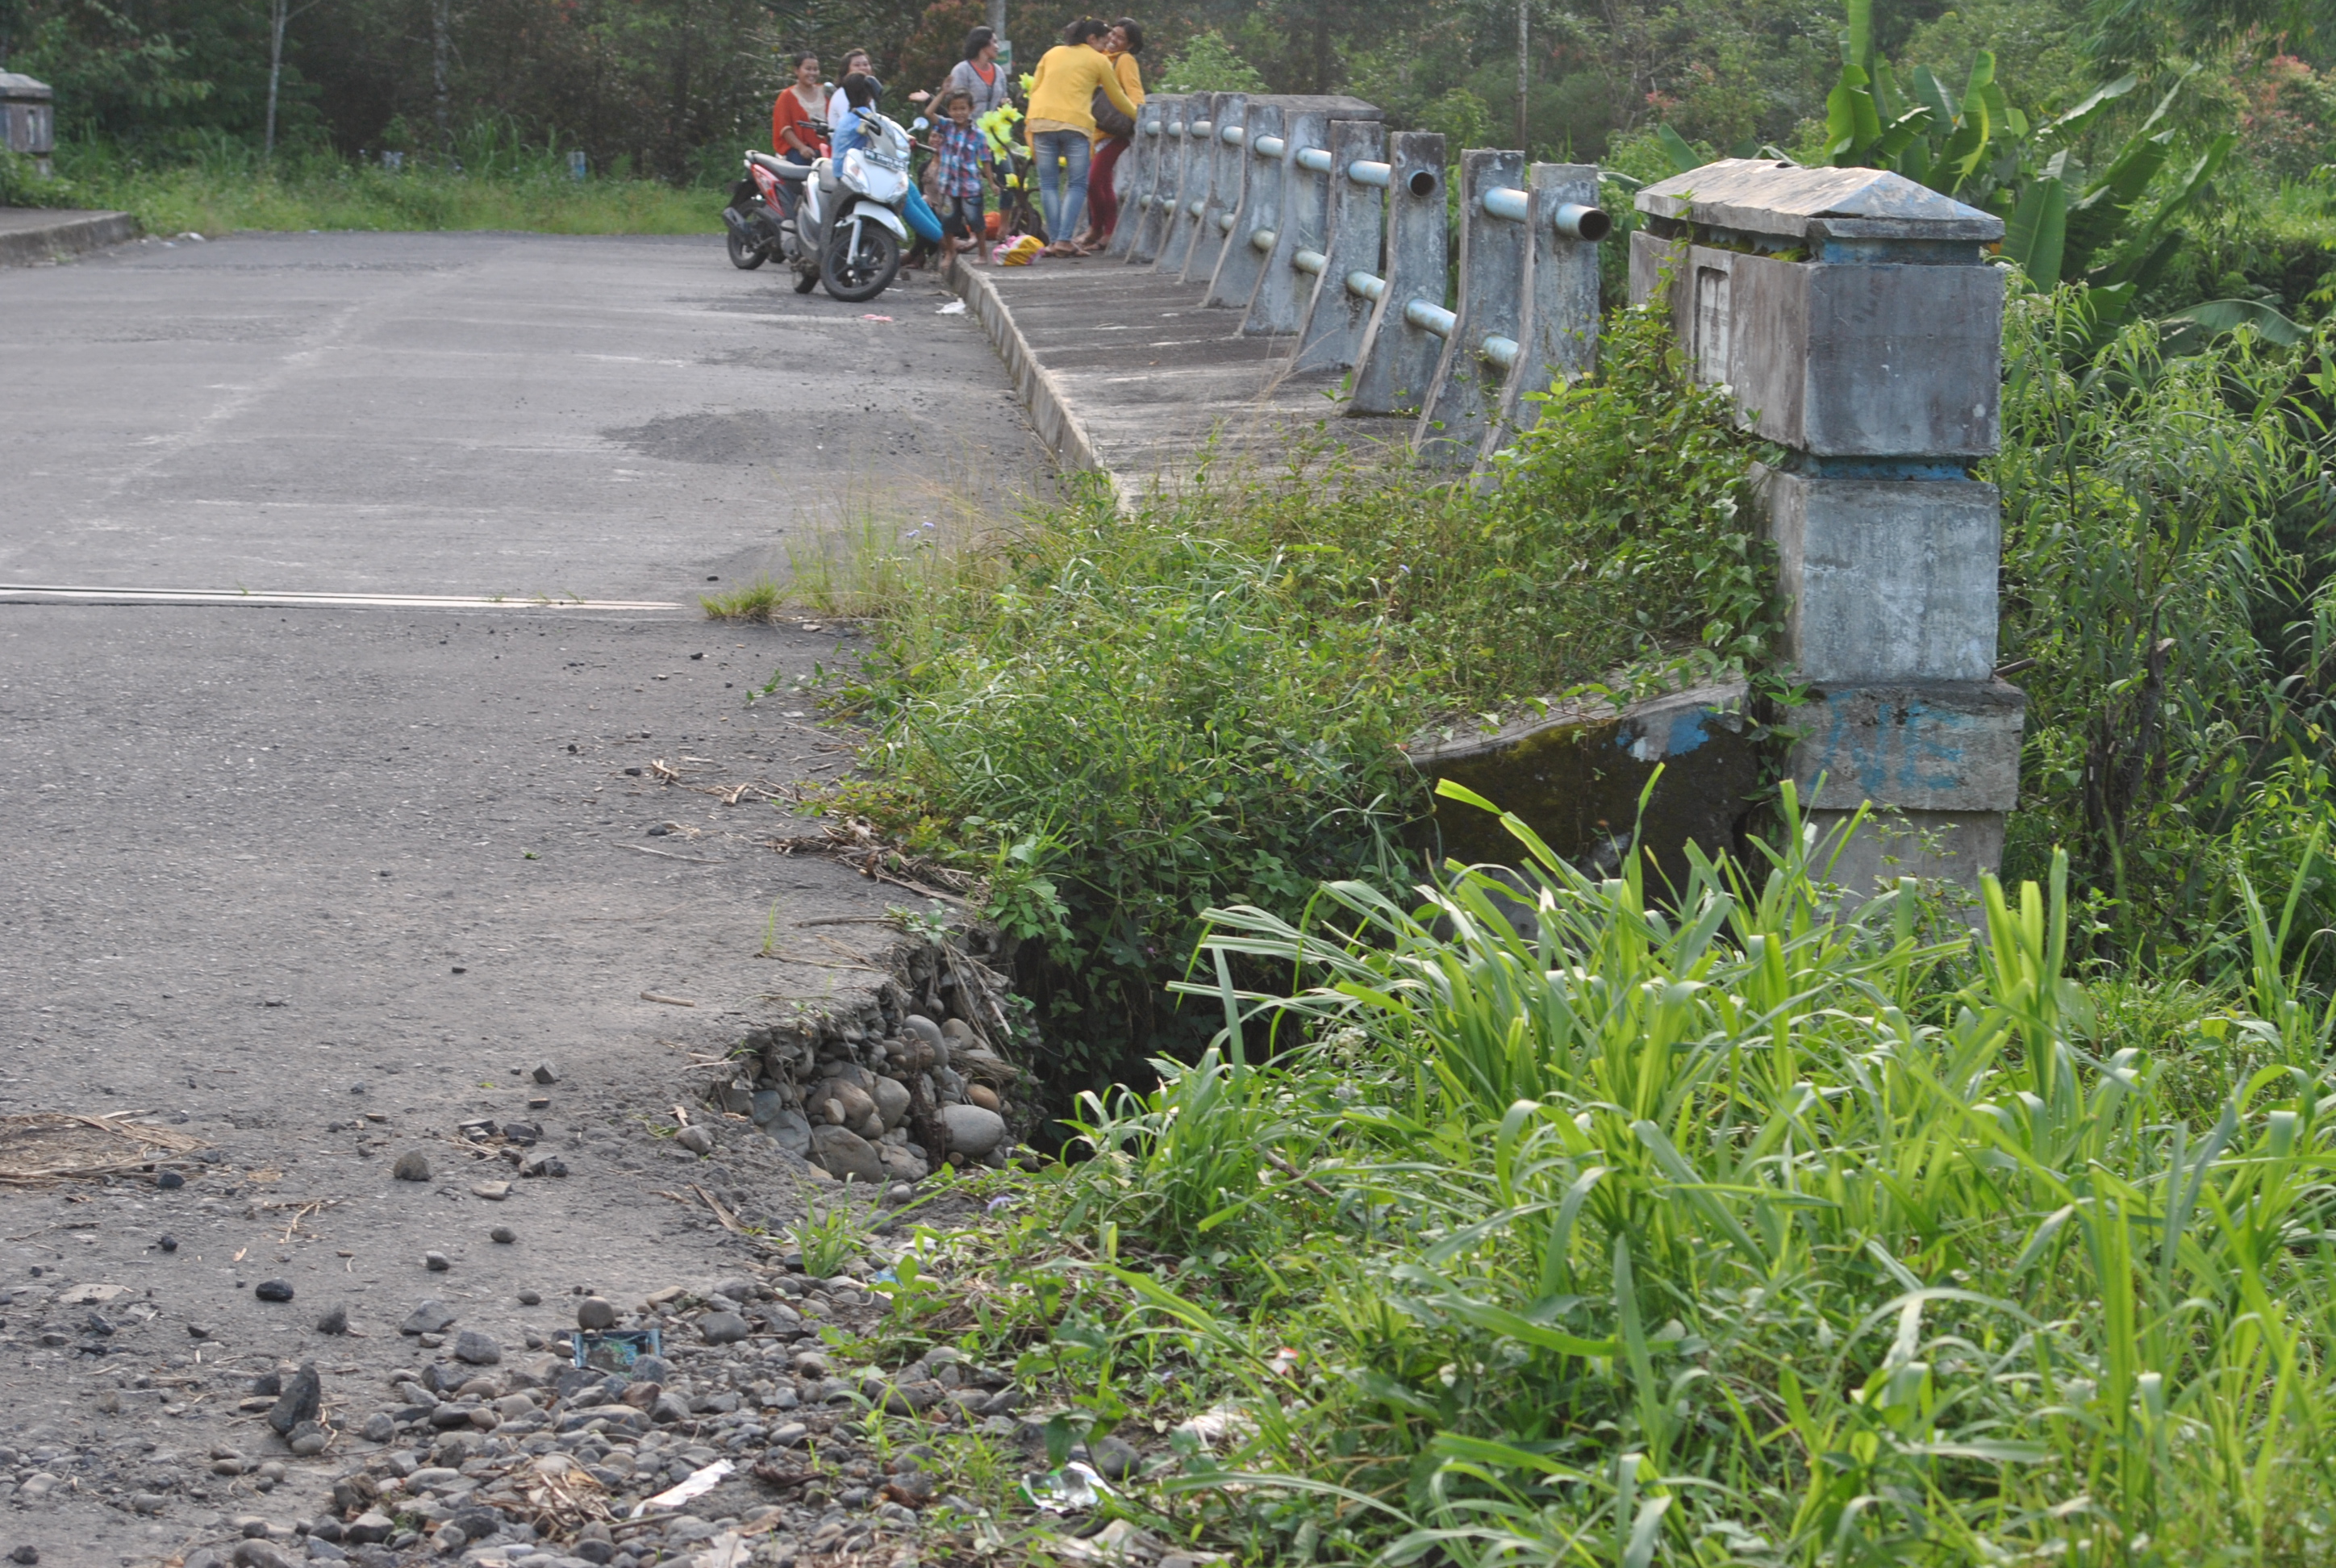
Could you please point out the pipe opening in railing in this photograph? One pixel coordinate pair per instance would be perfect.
(1432, 318)
(1310, 262)
(1314, 159)
(1422, 182)
(1500, 351)
(1579, 222)
(1366, 286)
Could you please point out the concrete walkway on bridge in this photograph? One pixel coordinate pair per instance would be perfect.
(1126, 371)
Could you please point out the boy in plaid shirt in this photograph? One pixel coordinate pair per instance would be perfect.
(962, 152)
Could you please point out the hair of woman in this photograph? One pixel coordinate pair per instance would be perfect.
(1084, 28)
(1133, 32)
(980, 39)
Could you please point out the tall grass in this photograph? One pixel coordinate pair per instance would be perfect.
(1743, 1230)
(216, 185)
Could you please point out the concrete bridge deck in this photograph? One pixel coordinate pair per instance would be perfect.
(1125, 371)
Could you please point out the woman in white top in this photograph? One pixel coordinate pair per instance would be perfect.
(855, 63)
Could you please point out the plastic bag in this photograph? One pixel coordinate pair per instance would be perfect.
(1019, 251)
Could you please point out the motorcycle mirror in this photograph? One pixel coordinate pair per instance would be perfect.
(922, 124)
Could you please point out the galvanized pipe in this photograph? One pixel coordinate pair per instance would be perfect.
(1270, 147)
(1310, 262)
(1511, 204)
(1263, 238)
(1224, 222)
(1430, 318)
(1500, 351)
(1201, 129)
(1366, 286)
(1365, 172)
(1233, 135)
(1314, 159)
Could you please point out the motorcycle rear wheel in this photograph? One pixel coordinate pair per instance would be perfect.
(743, 255)
(867, 271)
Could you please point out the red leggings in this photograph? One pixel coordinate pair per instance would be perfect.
(1102, 204)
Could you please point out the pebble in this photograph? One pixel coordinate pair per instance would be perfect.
(380, 1427)
(26, 1555)
(429, 1318)
(503, 1234)
(273, 1290)
(530, 1298)
(336, 1321)
(412, 1165)
(1114, 1457)
(436, 1262)
(696, 1140)
(545, 1073)
(493, 1191)
(596, 1313)
(723, 1328)
(477, 1348)
(170, 1181)
(303, 1397)
(168, 1243)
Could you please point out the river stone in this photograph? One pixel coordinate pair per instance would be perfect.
(768, 1104)
(791, 1130)
(302, 1398)
(973, 1132)
(412, 1165)
(432, 1317)
(477, 1348)
(925, 1029)
(723, 1328)
(857, 1102)
(696, 1140)
(596, 1313)
(891, 1101)
(841, 1152)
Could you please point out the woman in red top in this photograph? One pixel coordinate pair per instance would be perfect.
(794, 117)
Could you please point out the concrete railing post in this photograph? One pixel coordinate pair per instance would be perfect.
(1558, 336)
(1192, 154)
(1482, 345)
(1278, 305)
(1331, 336)
(1143, 163)
(1398, 357)
(1162, 111)
(1856, 319)
(1241, 260)
(1227, 144)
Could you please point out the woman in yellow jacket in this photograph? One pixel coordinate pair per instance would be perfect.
(1062, 125)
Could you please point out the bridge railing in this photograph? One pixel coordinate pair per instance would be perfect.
(1309, 218)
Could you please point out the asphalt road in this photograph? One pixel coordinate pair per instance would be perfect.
(272, 868)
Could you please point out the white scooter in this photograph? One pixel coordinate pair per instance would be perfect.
(847, 231)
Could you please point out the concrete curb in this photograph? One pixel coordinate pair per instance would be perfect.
(1050, 408)
(72, 234)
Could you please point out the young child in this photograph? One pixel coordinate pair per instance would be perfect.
(859, 92)
(963, 153)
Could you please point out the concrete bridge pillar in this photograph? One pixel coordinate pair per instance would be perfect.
(1855, 319)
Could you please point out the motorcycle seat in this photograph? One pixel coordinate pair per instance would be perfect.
(779, 166)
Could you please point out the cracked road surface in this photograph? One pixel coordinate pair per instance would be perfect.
(324, 879)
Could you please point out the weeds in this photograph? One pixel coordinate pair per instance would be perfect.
(830, 1234)
(1746, 1231)
(1122, 719)
(757, 602)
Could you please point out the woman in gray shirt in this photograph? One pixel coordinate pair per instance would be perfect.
(978, 74)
